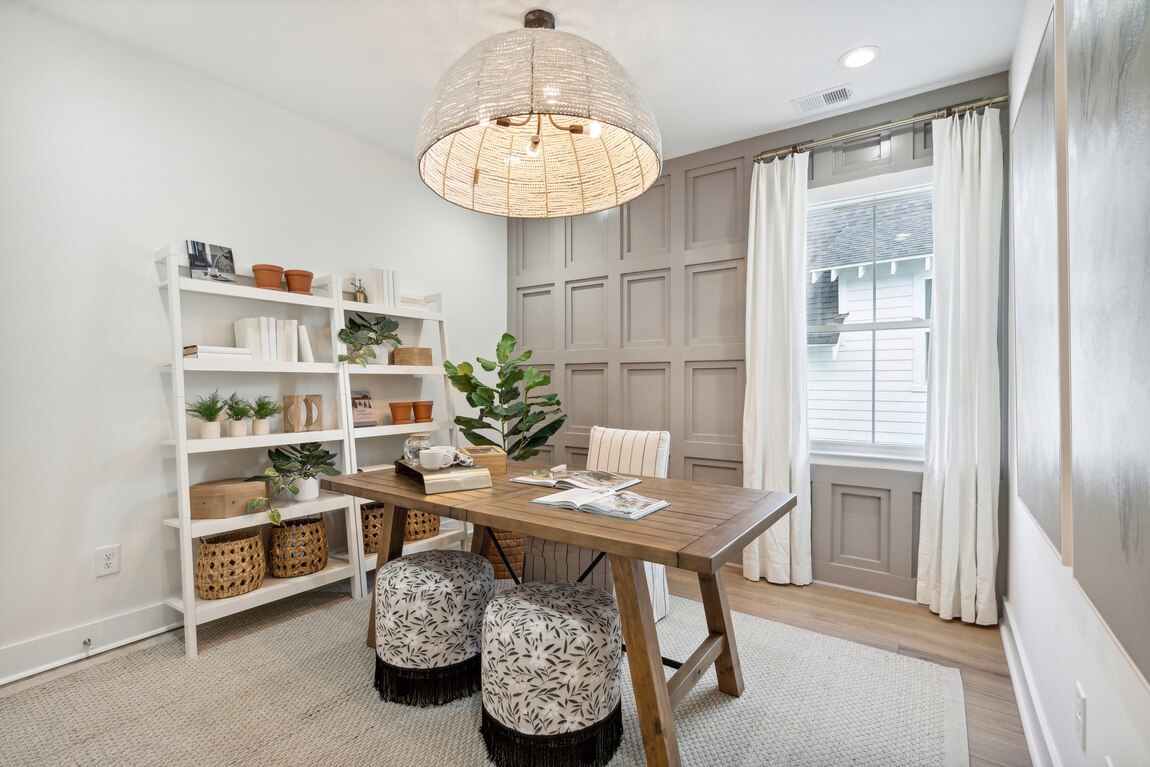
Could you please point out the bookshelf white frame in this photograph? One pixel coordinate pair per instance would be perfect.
(451, 531)
(355, 564)
(195, 610)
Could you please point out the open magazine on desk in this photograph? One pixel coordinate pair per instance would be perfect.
(591, 479)
(612, 503)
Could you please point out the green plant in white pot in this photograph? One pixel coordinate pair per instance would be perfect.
(239, 410)
(262, 411)
(362, 335)
(295, 471)
(207, 410)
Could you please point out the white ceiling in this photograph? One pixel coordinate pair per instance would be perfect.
(714, 72)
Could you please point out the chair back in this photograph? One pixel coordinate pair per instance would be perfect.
(629, 451)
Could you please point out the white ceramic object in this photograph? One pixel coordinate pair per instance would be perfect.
(442, 456)
(261, 426)
(209, 429)
(308, 489)
(237, 428)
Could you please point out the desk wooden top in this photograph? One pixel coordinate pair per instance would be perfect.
(704, 527)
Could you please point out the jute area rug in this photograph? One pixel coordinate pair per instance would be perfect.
(268, 690)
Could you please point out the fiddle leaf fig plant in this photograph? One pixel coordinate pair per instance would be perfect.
(307, 460)
(516, 419)
(361, 334)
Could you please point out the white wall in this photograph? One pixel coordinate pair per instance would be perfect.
(105, 155)
(1060, 637)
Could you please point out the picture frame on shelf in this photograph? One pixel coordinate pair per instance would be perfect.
(211, 262)
(362, 411)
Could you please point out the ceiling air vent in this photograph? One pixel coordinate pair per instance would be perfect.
(823, 99)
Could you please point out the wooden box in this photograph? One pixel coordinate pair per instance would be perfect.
(411, 355)
(303, 412)
(485, 455)
(224, 497)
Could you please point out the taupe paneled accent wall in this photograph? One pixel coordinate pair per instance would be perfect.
(638, 313)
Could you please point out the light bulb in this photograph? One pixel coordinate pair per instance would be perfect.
(858, 57)
(594, 129)
(533, 147)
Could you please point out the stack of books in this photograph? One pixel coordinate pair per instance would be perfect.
(272, 340)
(201, 352)
(382, 286)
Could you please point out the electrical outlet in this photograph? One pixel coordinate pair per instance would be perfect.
(108, 560)
(1080, 714)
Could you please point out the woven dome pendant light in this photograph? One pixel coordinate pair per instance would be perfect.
(538, 123)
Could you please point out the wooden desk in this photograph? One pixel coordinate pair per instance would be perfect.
(704, 527)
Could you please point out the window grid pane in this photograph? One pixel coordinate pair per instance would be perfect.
(869, 264)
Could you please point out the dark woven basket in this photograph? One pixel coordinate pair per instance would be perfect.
(512, 545)
(298, 547)
(229, 565)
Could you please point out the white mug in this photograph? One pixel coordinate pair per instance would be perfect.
(442, 456)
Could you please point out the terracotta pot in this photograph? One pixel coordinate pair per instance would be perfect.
(299, 281)
(423, 410)
(268, 276)
(400, 412)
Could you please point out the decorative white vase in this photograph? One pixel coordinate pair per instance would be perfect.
(209, 429)
(380, 358)
(308, 489)
(237, 428)
(261, 426)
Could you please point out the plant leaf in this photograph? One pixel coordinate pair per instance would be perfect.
(504, 348)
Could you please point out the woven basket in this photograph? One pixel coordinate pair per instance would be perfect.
(229, 565)
(512, 544)
(298, 547)
(420, 525)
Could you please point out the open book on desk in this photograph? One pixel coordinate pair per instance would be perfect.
(620, 503)
(580, 480)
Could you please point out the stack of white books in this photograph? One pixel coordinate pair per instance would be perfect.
(272, 340)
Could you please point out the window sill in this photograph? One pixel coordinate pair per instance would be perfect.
(892, 461)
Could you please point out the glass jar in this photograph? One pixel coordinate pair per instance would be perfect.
(413, 444)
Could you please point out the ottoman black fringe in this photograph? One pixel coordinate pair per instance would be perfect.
(590, 747)
(427, 686)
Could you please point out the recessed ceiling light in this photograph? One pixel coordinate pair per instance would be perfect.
(859, 57)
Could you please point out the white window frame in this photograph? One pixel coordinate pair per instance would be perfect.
(860, 192)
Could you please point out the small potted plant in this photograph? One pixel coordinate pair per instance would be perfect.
(262, 411)
(239, 410)
(294, 470)
(362, 334)
(207, 410)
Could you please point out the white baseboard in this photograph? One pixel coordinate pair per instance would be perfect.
(41, 653)
(1042, 752)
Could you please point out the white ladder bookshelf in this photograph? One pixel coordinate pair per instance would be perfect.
(451, 531)
(351, 565)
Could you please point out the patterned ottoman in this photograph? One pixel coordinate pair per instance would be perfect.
(428, 615)
(551, 663)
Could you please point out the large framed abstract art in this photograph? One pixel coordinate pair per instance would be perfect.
(1108, 132)
(1038, 409)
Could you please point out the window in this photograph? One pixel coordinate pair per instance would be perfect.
(869, 303)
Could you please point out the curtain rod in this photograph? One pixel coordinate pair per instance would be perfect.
(937, 114)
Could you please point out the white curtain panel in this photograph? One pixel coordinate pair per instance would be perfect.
(776, 455)
(958, 540)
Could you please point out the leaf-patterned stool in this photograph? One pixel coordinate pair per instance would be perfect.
(428, 617)
(552, 654)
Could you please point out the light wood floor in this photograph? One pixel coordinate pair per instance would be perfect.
(992, 721)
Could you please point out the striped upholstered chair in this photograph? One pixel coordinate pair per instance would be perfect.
(644, 453)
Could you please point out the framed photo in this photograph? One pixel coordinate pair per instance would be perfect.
(211, 262)
(362, 412)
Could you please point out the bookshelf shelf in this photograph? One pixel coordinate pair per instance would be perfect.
(349, 566)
